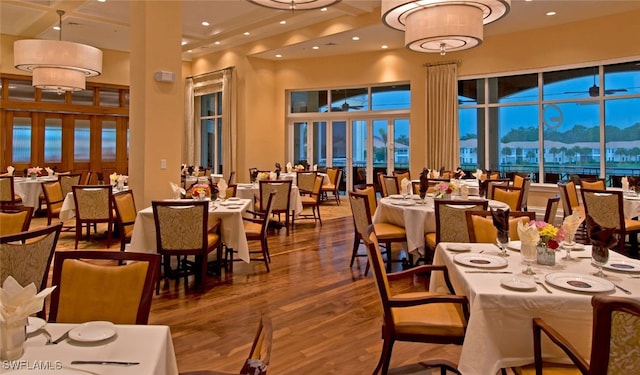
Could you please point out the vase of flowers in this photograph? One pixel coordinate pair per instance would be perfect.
(550, 238)
(443, 190)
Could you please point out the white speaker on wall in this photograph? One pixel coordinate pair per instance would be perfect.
(164, 76)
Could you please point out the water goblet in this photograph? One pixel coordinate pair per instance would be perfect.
(502, 239)
(600, 256)
(529, 252)
(568, 244)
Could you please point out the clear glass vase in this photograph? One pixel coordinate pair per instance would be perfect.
(545, 255)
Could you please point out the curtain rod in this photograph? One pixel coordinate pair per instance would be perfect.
(457, 62)
(214, 72)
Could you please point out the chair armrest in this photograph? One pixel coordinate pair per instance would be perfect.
(257, 221)
(423, 300)
(216, 227)
(540, 326)
(415, 270)
(254, 213)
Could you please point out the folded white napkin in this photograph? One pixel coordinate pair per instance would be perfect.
(625, 183)
(464, 190)
(176, 191)
(405, 185)
(18, 303)
(572, 222)
(435, 174)
(477, 174)
(10, 170)
(289, 167)
(222, 188)
(315, 167)
(528, 233)
(196, 171)
(50, 171)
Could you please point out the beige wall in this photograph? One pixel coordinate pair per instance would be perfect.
(262, 83)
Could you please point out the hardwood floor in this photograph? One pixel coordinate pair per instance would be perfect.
(326, 316)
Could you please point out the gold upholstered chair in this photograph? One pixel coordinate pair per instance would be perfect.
(125, 207)
(607, 210)
(53, 197)
(15, 219)
(335, 177)
(312, 201)
(370, 191)
(386, 233)
(551, 210)
(67, 181)
(523, 183)
(115, 286)
(93, 205)
(481, 229)
(305, 181)
(418, 316)
(510, 195)
(282, 200)
(182, 229)
(257, 362)
(7, 192)
(593, 184)
(450, 215)
(569, 197)
(388, 185)
(614, 338)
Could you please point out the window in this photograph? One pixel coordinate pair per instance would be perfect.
(53, 140)
(108, 140)
(554, 122)
(22, 139)
(81, 140)
(211, 127)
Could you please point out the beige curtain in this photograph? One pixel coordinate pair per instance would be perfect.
(203, 84)
(442, 143)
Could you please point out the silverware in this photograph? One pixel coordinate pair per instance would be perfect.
(114, 363)
(488, 272)
(61, 338)
(621, 288)
(541, 283)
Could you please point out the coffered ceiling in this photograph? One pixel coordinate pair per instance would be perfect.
(106, 24)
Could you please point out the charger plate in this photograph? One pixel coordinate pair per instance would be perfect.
(578, 282)
(480, 260)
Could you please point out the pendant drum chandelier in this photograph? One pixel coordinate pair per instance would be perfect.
(295, 4)
(440, 26)
(57, 65)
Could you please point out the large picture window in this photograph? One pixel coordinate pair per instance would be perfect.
(579, 121)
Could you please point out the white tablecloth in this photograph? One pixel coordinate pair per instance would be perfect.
(474, 188)
(499, 333)
(143, 238)
(631, 206)
(149, 345)
(249, 191)
(416, 220)
(29, 190)
(293, 177)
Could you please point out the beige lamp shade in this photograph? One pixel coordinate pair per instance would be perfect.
(442, 25)
(57, 65)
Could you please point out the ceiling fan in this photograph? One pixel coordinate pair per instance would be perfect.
(345, 107)
(594, 90)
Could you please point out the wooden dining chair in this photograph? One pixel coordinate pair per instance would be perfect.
(282, 200)
(53, 198)
(94, 205)
(182, 229)
(115, 286)
(231, 191)
(8, 195)
(15, 219)
(569, 197)
(607, 210)
(614, 338)
(481, 229)
(510, 195)
(523, 183)
(401, 175)
(370, 191)
(593, 184)
(450, 218)
(333, 187)
(495, 182)
(67, 181)
(305, 181)
(87, 178)
(125, 208)
(311, 201)
(425, 317)
(387, 233)
(230, 179)
(389, 185)
(257, 362)
(551, 210)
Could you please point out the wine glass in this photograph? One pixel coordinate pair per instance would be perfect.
(502, 239)
(600, 255)
(568, 244)
(529, 252)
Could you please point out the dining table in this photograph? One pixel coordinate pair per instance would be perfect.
(68, 208)
(229, 211)
(29, 189)
(503, 301)
(150, 347)
(416, 216)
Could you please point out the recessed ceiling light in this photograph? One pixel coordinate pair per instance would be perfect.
(189, 51)
(183, 43)
(216, 42)
(56, 27)
(205, 23)
(355, 38)
(384, 46)
(278, 55)
(551, 13)
(323, 9)
(315, 47)
(102, 1)
(246, 33)
(283, 22)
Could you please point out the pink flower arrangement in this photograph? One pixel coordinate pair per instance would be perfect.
(550, 236)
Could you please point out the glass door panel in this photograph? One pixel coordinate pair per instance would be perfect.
(319, 143)
(53, 140)
(339, 148)
(380, 147)
(299, 142)
(359, 151)
(401, 144)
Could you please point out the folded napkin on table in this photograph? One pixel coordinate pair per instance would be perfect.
(572, 222)
(501, 222)
(315, 167)
(177, 191)
(600, 236)
(405, 186)
(50, 171)
(625, 183)
(289, 167)
(435, 174)
(10, 170)
(477, 174)
(17, 303)
(222, 188)
(528, 232)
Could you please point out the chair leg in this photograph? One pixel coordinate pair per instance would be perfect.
(388, 256)
(263, 244)
(385, 356)
(319, 219)
(203, 270)
(336, 194)
(356, 245)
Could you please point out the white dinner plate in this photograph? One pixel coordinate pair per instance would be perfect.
(228, 203)
(395, 196)
(579, 282)
(497, 204)
(632, 198)
(514, 245)
(34, 324)
(232, 207)
(622, 265)
(480, 260)
(93, 331)
(404, 203)
(518, 283)
(248, 186)
(233, 199)
(458, 247)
